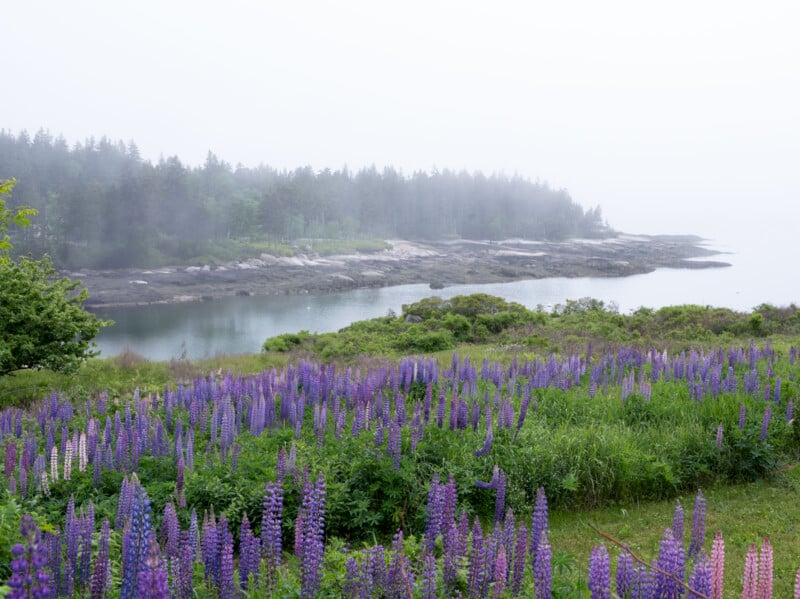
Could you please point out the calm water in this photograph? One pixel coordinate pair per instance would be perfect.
(240, 324)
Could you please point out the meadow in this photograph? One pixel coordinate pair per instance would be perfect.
(508, 469)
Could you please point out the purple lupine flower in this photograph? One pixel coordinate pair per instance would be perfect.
(500, 572)
(700, 578)
(520, 552)
(226, 580)
(670, 563)
(169, 531)
(625, 574)
(718, 440)
(500, 498)
(183, 583)
(135, 540)
(72, 538)
(434, 512)
(677, 523)
(463, 535)
(523, 411)
(313, 530)
(124, 501)
(507, 534)
(450, 561)
(209, 546)
(765, 423)
(190, 451)
(542, 568)
(271, 518)
(487, 442)
(399, 578)
(179, 478)
(152, 580)
(53, 543)
(393, 446)
(249, 553)
(97, 465)
(449, 504)
(429, 577)
(86, 525)
(600, 573)
(698, 525)
(440, 409)
(29, 573)
(194, 533)
(742, 415)
(10, 459)
(539, 523)
(235, 457)
(352, 582)
(280, 468)
(376, 562)
(101, 574)
(476, 563)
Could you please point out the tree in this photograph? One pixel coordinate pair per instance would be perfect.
(9, 217)
(42, 320)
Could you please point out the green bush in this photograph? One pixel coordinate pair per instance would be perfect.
(286, 342)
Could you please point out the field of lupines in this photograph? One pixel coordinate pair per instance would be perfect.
(407, 479)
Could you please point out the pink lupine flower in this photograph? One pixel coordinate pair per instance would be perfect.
(750, 585)
(717, 566)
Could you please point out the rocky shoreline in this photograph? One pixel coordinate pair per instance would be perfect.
(438, 264)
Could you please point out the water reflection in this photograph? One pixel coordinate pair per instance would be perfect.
(240, 324)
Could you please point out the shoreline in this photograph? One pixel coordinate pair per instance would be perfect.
(438, 264)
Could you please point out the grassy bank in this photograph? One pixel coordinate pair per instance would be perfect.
(613, 434)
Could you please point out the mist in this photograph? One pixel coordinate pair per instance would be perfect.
(673, 119)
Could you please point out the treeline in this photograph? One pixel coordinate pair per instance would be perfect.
(102, 206)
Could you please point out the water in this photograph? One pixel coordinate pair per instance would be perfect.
(241, 324)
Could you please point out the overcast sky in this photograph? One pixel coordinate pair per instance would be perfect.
(680, 116)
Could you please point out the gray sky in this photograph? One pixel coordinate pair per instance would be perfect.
(680, 116)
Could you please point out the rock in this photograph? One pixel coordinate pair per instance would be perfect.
(342, 278)
(413, 318)
(372, 274)
(437, 285)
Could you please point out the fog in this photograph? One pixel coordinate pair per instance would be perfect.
(677, 117)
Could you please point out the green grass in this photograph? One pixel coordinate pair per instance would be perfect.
(122, 374)
(744, 513)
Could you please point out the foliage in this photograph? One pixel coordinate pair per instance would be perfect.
(10, 512)
(42, 321)
(102, 206)
(613, 428)
(433, 324)
(18, 217)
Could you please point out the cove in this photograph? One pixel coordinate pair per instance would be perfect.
(241, 324)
